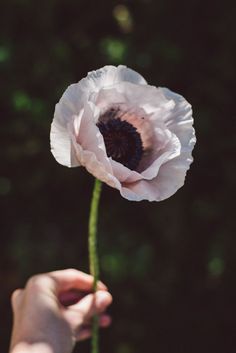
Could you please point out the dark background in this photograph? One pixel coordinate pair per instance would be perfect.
(171, 265)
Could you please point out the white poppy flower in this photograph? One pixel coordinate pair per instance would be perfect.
(134, 137)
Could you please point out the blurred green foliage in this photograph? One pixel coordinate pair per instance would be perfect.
(171, 265)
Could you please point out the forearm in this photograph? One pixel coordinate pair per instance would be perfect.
(36, 342)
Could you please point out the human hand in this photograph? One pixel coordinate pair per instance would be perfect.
(51, 313)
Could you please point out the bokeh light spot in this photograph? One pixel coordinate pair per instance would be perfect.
(114, 264)
(21, 101)
(123, 17)
(216, 266)
(4, 54)
(114, 49)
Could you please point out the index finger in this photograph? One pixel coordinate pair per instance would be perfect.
(74, 279)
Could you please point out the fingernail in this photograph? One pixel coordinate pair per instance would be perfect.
(102, 285)
(102, 299)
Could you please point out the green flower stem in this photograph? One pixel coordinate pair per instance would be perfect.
(93, 256)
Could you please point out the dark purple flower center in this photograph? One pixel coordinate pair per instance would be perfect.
(123, 142)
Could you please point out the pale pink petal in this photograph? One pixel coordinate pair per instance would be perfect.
(61, 144)
(89, 160)
(169, 152)
(163, 140)
(149, 98)
(157, 189)
(142, 190)
(68, 107)
(129, 194)
(124, 174)
(180, 120)
(110, 75)
(108, 97)
(90, 138)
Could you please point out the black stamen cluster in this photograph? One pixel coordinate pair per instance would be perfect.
(123, 142)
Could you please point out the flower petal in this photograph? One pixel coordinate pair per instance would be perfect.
(124, 174)
(149, 98)
(89, 137)
(169, 179)
(180, 120)
(67, 108)
(61, 144)
(159, 157)
(110, 75)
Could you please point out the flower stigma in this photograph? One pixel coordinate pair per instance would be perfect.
(123, 142)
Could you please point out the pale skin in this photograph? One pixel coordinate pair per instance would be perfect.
(55, 310)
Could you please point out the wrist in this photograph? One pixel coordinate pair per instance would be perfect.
(37, 347)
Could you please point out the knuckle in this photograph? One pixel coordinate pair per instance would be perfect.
(72, 270)
(15, 295)
(32, 281)
(37, 282)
